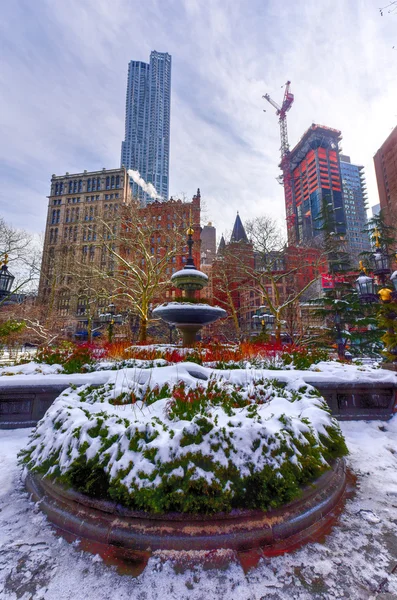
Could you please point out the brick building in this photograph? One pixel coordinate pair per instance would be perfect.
(385, 161)
(83, 220)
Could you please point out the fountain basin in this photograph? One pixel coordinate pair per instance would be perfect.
(187, 314)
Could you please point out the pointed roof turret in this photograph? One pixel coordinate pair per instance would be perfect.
(238, 233)
(222, 245)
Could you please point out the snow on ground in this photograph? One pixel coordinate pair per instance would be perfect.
(327, 371)
(358, 560)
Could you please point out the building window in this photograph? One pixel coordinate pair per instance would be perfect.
(117, 181)
(88, 185)
(80, 185)
(112, 182)
(108, 183)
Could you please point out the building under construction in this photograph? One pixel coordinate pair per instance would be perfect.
(315, 180)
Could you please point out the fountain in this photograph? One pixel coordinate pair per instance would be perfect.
(189, 317)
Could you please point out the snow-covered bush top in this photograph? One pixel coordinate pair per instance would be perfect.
(204, 447)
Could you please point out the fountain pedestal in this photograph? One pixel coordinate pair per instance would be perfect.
(189, 317)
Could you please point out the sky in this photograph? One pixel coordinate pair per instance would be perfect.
(63, 82)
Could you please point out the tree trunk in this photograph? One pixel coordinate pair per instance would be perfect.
(143, 330)
(277, 332)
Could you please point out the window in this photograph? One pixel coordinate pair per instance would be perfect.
(80, 185)
(117, 182)
(108, 183)
(81, 305)
(70, 187)
(88, 185)
(112, 182)
(75, 186)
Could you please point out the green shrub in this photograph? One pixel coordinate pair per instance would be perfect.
(192, 449)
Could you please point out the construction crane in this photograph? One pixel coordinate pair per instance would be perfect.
(286, 179)
(281, 112)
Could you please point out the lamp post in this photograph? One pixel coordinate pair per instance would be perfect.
(265, 320)
(332, 284)
(111, 319)
(6, 279)
(366, 286)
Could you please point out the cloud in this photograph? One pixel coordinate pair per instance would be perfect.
(63, 87)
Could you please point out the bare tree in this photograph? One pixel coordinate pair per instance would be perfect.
(391, 8)
(23, 252)
(228, 276)
(280, 275)
(138, 258)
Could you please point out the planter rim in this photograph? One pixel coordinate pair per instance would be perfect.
(108, 523)
(110, 507)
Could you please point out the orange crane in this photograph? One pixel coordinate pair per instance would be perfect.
(281, 112)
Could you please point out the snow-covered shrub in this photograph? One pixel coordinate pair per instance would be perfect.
(74, 358)
(200, 449)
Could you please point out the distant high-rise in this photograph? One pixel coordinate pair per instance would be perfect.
(146, 146)
(316, 181)
(386, 175)
(354, 197)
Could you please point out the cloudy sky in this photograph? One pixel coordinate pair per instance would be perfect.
(63, 80)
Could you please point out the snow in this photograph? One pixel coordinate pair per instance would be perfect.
(282, 417)
(188, 271)
(31, 368)
(354, 561)
(326, 372)
(191, 305)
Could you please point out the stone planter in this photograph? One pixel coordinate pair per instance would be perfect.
(118, 527)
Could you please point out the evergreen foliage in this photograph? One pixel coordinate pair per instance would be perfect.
(193, 450)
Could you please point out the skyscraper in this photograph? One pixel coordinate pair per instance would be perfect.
(146, 146)
(315, 180)
(354, 197)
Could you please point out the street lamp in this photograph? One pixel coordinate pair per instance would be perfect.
(111, 319)
(265, 319)
(6, 279)
(381, 264)
(366, 285)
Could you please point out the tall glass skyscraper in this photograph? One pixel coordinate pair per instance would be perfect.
(354, 197)
(146, 146)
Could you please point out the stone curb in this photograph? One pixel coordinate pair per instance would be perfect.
(109, 523)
